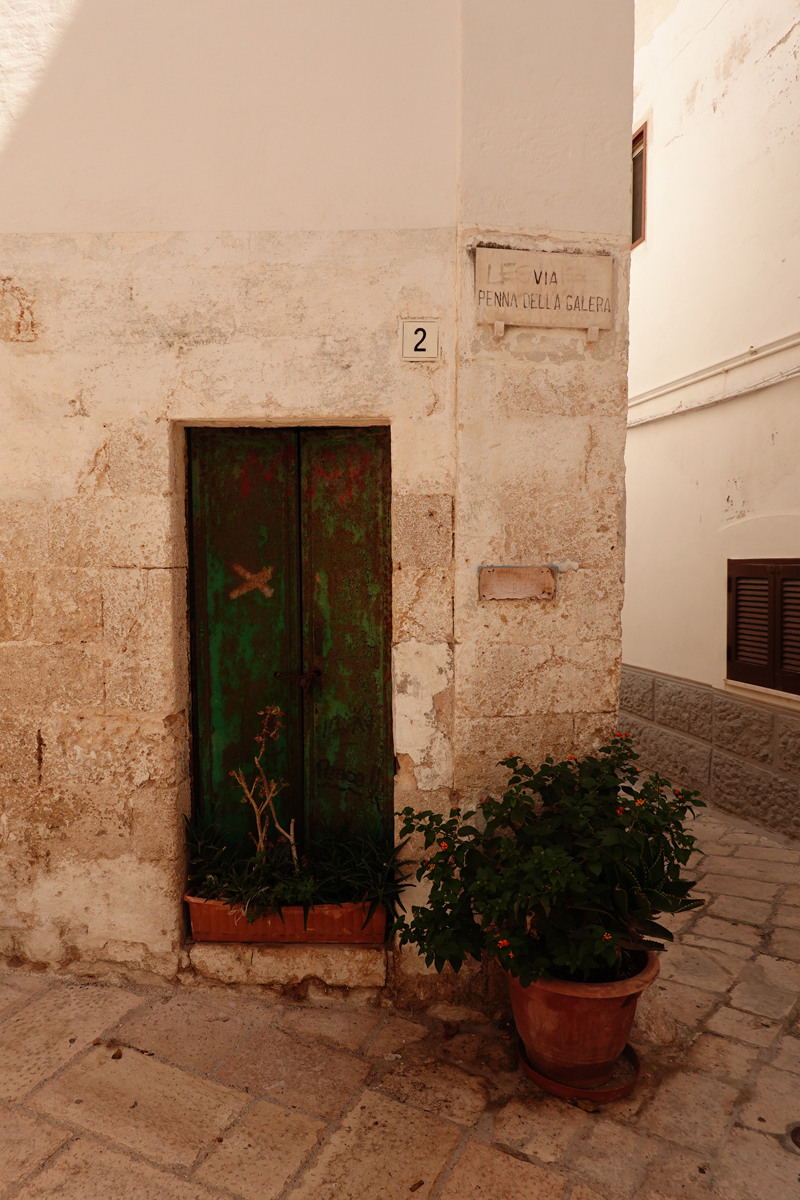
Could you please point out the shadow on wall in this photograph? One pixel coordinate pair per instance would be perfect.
(184, 114)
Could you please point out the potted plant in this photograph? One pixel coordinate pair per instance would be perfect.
(561, 881)
(339, 891)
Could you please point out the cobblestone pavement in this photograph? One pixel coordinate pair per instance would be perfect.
(126, 1091)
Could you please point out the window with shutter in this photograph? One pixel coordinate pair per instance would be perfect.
(639, 164)
(787, 673)
(764, 622)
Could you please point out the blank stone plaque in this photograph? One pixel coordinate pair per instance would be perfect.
(516, 583)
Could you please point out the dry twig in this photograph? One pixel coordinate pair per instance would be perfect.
(261, 794)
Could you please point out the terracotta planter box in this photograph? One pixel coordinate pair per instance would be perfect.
(215, 921)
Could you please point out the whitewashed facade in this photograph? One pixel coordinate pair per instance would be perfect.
(713, 470)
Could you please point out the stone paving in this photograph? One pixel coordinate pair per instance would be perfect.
(126, 1091)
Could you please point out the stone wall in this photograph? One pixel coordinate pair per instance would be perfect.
(503, 450)
(224, 221)
(742, 756)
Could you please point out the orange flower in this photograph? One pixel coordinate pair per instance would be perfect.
(639, 803)
(606, 937)
(443, 846)
(510, 954)
(504, 942)
(620, 811)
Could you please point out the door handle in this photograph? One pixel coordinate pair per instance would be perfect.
(305, 679)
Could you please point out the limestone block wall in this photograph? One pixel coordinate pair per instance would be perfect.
(503, 450)
(137, 336)
(742, 756)
(540, 480)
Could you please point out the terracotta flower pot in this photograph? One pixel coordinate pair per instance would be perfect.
(575, 1032)
(215, 921)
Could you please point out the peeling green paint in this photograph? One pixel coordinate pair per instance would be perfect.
(291, 572)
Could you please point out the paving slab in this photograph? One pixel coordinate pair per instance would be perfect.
(699, 968)
(785, 943)
(788, 1056)
(258, 1157)
(775, 1104)
(496, 1061)
(159, 1111)
(791, 896)
(52, 1028)
(687, 1004)
(740, 837)
(730, 885)
(754, 1166)
(719, 1056)
(276, 1066)
(752, 868)
(346, 1028)
(786, 916)
(188, 1030)
(455, 1012)
(541, 1126)
(692, 1110)
(438, 1088)
(716, 946)
(769, 854)
(679, 1173)
(484, 1173)
(614, 1157)
(769, 987)
(727, 931)
(716, 849)
(13, 993)
(396, 1034)
(25, 1142)
(738, 908)
(746, 1027)
(87, 1171)
(381, 1149)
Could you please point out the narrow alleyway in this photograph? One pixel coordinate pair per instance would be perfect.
(120, 1091)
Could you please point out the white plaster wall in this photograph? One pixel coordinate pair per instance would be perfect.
(717, 274)
(718, 271)
(255, 114)
(545, 93)
(703, 487)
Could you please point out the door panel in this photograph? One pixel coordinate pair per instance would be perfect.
(346, 554)
(290, 567)
(244, 486)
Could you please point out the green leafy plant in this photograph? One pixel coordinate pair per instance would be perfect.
(564, 876)
(339, 868)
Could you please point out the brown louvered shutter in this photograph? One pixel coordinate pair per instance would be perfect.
(787, 650)
(751, 624)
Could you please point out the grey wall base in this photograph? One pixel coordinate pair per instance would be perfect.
(742, 757)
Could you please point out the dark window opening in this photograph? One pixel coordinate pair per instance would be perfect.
(639, 161)
(764, 622)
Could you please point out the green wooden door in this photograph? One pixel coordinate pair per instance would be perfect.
(291, 605)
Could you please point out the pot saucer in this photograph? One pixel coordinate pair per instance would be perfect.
(602, 1095)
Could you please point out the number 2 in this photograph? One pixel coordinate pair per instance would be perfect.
(419, 346)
